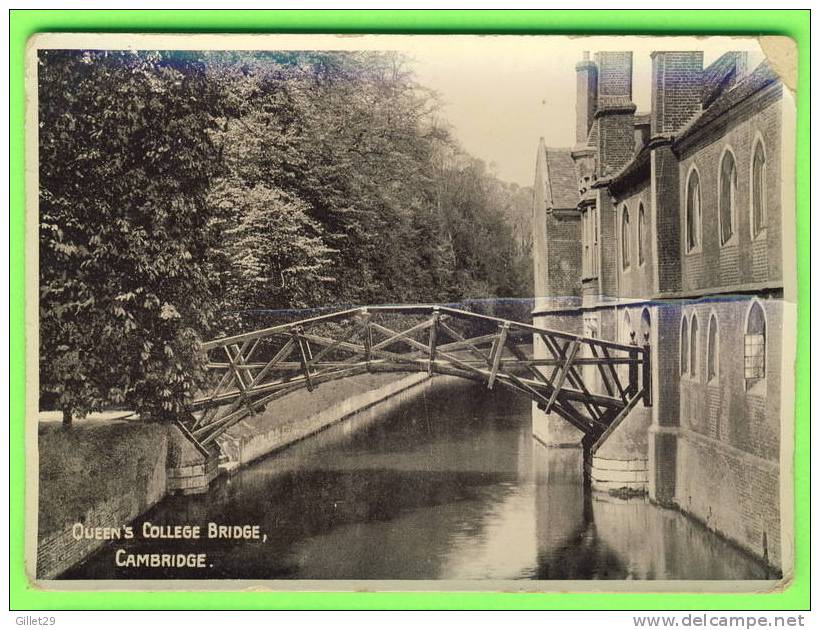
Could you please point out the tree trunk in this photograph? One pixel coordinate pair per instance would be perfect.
(67, 416)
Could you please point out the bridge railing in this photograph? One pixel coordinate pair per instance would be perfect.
(255, 368)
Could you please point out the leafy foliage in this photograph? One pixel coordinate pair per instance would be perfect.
(125, 167)
(189, 194)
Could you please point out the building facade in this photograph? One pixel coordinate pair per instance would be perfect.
(666, 227)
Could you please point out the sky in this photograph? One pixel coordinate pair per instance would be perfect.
(501, 94)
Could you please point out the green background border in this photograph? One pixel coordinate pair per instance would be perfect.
(741, 22)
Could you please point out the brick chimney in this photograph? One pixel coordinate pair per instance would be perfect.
(614, 78)
(616, 111)
(677, 89)
(586, 101)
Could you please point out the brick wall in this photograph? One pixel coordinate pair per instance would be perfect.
(563, 254)
(616, 111)
(608, 243)
(616, 140)
(614, 77)
(723, 408)
(91, 476)
(59, 550)
(743, 506)
(666, 212)
(677, 86)
(731, 433)
(743, 260)
(637, 280)
(666, 364)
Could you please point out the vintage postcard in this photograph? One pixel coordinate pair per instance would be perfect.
(316, 312)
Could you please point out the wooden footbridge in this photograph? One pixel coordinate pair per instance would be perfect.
(253, 369)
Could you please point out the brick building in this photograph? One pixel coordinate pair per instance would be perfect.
(666, 226)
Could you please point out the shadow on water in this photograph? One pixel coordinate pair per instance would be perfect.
(445, 484)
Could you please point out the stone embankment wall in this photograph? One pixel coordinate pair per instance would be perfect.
(273, 429)
(94, 475)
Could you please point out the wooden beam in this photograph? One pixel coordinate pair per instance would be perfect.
(562, 375)
(304, 351)
(433, 335)
(498, 349)
(614, 374)
(241, 385)
(398, 336)
(471, 344)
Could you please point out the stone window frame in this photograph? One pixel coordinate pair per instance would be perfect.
(683, 336)
(733, 210)
(756, 384)
(592, 325)
(594, 253)
(646, 326)
(698, 246)
(694, 347)
(641, 230)
(628, 328)
(758, 142)
(589, 242)
(585, 244)
(625, 254)
(713, 354)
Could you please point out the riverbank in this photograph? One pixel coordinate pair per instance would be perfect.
(106, 471)
(103, 474)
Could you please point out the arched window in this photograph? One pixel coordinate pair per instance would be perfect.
(641, 233)
(758, 189)
(625, 237)
(627, 327)
(712, 349)
(754, 347)
(728, 192)
(684, 346)
(646, 326)
(693, 347)
(693, 211)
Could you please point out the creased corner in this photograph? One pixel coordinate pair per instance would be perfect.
(781, 51)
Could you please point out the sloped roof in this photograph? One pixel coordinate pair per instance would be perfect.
(762, 77)
(592, 137)
(562, 181)
(721, 75)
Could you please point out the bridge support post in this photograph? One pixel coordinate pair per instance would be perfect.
(587, 442)
(190, 467)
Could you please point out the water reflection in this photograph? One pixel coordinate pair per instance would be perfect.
(450, 485)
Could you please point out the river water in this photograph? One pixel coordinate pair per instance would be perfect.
(449, 484)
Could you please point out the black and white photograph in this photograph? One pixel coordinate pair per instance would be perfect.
(402, 312)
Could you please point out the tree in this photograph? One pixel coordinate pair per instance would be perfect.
(125, 166)
(193, 194)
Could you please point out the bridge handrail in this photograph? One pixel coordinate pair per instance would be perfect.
(410, 309)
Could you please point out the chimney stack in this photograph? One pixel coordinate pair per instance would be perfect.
(614, 78)
(677, 89)
(586, 102)
(616, 111)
